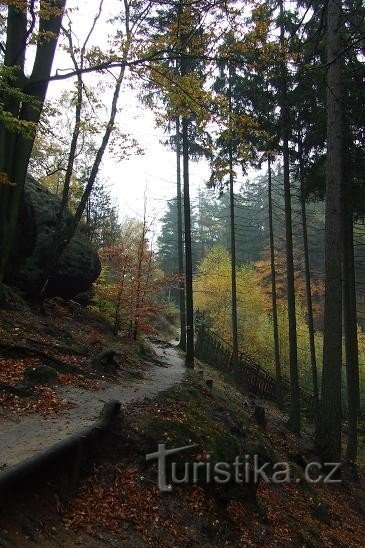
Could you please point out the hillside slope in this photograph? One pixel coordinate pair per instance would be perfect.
(118, 502)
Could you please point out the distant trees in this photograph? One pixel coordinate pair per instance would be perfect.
(211, 225)
(212, 289)
(102, 221)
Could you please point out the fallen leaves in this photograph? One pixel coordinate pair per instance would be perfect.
(124, 499)
(46, 403)
(286, 516)
(44, 400)
(12, 370)
(127, 500)
(68, 379)
(50, 333)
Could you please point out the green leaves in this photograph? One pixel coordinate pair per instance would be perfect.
(11, 94)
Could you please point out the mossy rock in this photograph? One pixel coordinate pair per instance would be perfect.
(77, 268)
(42, 374)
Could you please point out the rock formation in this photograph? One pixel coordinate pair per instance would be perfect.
(78, 266)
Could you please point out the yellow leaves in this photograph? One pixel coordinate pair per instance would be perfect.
(185, 95)
(23, 127)
(212, 291)
(18, 4)
(189, 97)
(95, 56)
(42, 38)
(122, 146)
(51, 8)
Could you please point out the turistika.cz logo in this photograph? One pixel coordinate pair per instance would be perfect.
(244, 470)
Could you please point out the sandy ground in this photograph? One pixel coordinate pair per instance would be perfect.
(22, 438)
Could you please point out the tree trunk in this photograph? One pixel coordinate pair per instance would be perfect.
(329, 439)
(63, 235)
(350, 327)
(141, 251)
(189, 360)
(294, 412)
(308, 289)
(233, 237)
(184, 70)
(273, 287)
(15, 147)
(180, 243)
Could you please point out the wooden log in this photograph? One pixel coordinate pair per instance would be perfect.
(36, 466)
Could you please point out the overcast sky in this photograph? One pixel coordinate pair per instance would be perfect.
(156, 169)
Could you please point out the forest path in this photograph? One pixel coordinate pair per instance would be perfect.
(31, 434)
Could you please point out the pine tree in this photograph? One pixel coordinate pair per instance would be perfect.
(329, 439)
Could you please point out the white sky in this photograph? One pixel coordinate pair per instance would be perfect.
(156, 169)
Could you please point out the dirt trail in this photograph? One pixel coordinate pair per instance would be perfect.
(33, 433)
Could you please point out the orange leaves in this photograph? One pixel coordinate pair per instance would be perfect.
(46, 403)
(132, 281)
(24, 329)
(12, 370)
(68, 379)
(196, 499)
(263, 270)
(128, 500)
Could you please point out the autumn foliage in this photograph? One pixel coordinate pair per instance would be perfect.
(212, 296)
(131, 281)
(263, 269)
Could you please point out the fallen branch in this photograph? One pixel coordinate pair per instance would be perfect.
(23, 349)
(62, 348)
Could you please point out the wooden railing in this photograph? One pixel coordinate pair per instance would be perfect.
(215, 351)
